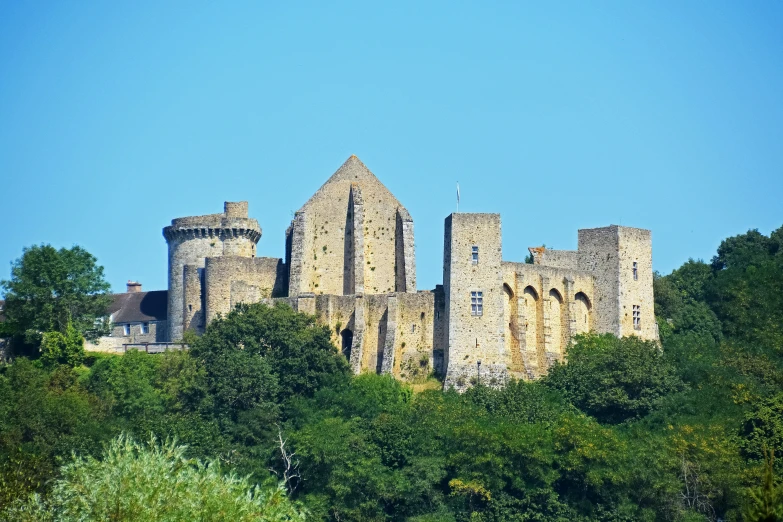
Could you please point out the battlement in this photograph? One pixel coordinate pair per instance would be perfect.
(350, 260)
(201, 232)
(232, 223)
(194, 239)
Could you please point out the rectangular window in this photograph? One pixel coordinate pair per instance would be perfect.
(637, 317)
(477, 303)
(145, 328)
(635, 271)
(126, 330)
(474, 254)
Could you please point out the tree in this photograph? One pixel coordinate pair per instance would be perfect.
(155, 482)
(50, 288)
(746, 291)
(614, 379)
(44, 416)
(63, 348)
(766, 501)
(297, 350)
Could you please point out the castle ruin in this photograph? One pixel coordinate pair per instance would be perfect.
(350, 261)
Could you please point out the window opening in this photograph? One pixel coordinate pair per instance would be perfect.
(413, 328)
(637, 317)
(477, 303)
(347, 343)
(635, 271)
(126, 329)
(474, 254)
(145, 328)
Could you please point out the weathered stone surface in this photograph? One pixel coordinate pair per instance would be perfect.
(476, 335)
(350, 261)
(193, 239)
(350, 221)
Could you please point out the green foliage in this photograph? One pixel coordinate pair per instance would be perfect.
(614, 379)
(766, 500)
(44, 416)
(680, 306)
(763, 427)
(155, 482)
(749, 300)
(742, 288)
(297, 351)
(50, 288)
(626, 431)
(63, 348)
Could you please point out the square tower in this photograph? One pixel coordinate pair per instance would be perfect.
(620, 259)
(473, 288)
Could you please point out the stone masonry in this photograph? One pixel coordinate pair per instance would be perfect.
(350, 261)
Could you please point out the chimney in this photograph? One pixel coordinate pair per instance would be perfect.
(133, 287)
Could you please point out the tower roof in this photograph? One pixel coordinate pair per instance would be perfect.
(353, 171)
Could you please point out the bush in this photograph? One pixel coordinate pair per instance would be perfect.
(154, 482)
(614, 379)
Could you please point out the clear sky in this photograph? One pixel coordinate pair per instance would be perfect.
(116, 117)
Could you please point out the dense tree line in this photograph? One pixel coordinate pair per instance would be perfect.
(626, 431)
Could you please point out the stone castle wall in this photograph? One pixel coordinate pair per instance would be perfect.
(636, 247)
(350, 261)
(474, 338)
(230, 280)
(193, 239)
(545, 307)
(599, 255)
(568, 259)
(344, 239)
(400, 333)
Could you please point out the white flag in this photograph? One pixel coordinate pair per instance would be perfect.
(458, 194)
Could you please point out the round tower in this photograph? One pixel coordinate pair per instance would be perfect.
(193, 239)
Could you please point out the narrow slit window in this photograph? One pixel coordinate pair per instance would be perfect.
(474, 254)
(635, 271)
(637, 317)
(477, 303)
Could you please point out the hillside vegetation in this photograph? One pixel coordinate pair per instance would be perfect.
(266, 418)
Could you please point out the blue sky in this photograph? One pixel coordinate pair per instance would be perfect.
(116, 117)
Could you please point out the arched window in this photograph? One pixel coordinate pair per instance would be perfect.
(582, 310)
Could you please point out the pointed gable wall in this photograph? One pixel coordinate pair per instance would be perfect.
(343, 238)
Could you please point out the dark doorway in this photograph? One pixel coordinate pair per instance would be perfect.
(347, 336)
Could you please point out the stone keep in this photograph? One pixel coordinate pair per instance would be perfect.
(350, 261)
(191, 240)
(472, 284)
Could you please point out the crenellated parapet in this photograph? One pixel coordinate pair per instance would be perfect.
(174, 233)
(233, 223)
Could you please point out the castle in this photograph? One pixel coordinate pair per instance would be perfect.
(350, 261)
